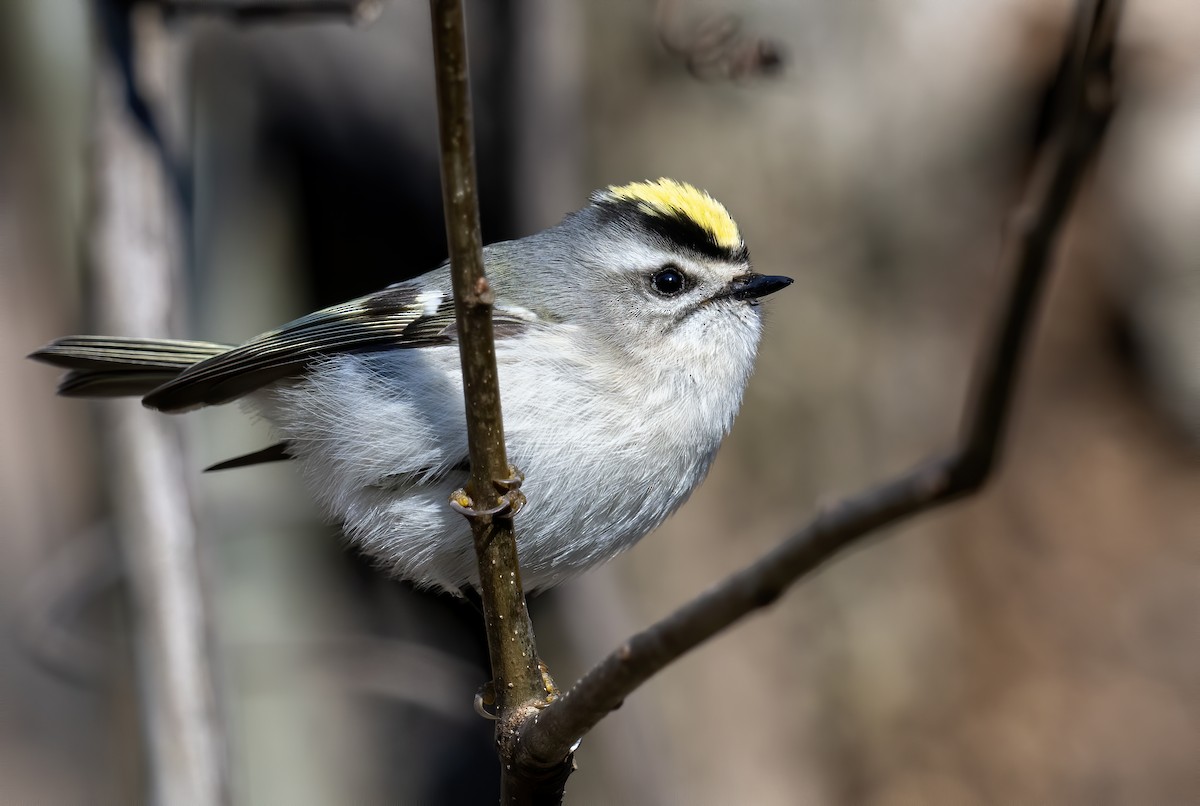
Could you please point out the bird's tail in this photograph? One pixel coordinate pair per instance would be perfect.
(111, 366)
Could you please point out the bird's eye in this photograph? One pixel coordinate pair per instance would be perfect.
(669, 281)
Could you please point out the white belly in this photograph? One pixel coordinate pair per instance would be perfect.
(379, 437)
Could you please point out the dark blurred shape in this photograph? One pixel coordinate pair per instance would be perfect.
(713, 47)
(276, 11)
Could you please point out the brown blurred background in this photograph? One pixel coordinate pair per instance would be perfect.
(1037, 644)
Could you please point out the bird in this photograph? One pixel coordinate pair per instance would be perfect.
(625, 336)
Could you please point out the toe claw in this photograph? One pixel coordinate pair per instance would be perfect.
(463, 504)
(513, 482)
(485, 701)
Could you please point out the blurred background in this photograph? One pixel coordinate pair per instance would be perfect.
(1037, 644)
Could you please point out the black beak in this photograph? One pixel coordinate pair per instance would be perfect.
(753, 286)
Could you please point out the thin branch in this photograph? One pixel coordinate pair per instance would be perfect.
(491, 497)
(548, 737)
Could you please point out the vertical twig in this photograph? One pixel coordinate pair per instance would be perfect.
(134, 246)
(517, 679)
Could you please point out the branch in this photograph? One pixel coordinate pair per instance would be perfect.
(491, 497)
(1088, 101)
(134, 245)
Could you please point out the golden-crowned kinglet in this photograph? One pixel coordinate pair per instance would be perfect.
(624, 338)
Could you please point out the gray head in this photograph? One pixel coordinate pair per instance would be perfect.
(655, 270)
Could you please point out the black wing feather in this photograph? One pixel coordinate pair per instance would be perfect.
(390, 319)
(273, 453)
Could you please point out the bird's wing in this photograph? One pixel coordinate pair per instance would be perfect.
(401, 316)
(272, 453)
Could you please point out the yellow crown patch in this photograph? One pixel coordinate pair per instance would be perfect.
(667, 198)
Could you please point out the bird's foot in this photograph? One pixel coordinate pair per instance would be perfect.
(485, 699)
(511, 498)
